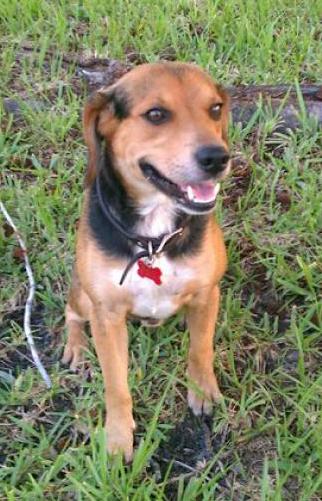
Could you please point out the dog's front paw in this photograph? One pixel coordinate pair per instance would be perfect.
(120, 438)
(203, 392)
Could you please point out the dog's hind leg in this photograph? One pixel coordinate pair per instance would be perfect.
(76, 314)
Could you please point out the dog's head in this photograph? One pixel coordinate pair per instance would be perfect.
(165, 128)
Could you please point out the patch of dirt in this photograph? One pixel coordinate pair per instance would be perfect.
(15, 358)
(192, 446)
(192, 442)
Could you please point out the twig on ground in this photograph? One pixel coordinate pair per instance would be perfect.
(32, 287)
(176, 479)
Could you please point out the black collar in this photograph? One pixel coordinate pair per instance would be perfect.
(151, 246)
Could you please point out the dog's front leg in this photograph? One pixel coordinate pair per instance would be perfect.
(111, 342)
(201, 318)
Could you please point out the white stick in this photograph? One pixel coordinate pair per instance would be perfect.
(32, 287)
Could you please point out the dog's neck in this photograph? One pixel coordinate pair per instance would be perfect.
(151, 218)
(157, 216)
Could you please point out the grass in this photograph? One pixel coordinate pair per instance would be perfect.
(266, 438)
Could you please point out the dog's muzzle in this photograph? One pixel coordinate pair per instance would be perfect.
(193, 198)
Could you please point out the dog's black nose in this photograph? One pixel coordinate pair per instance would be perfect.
(212, 158)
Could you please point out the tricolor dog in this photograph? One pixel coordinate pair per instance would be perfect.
(148, 244)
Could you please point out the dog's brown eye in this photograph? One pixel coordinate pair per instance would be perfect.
(215, 111)
(157, 116)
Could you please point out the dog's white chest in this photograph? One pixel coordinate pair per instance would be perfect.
(150, 299)
(158, 301)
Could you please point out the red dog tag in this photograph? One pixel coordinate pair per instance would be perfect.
(146, 271)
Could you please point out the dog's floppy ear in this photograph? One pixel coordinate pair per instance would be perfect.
(114, 101)
(96, 102)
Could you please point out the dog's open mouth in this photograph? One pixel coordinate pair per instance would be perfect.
(198, 197)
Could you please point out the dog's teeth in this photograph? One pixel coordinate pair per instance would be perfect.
(190, 193)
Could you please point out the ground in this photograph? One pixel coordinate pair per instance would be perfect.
(265, 440)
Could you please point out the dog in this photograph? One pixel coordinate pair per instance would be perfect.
(147, 243)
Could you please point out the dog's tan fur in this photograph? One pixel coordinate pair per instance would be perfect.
(95, 294)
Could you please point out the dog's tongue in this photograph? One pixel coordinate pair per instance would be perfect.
(202, 192)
